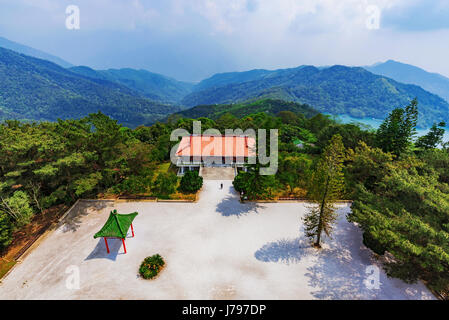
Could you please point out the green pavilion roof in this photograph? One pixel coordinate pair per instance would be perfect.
(117, 225)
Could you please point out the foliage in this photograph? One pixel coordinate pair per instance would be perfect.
(34, 89)
(326, 186)
(191, 182)
(252, 185)
(165, 184)
(152, 85)
(407, 213)
(5, 230)
(336, 90)
(17, 207)
(232, 112)
(45, 164)
(151, 266)
(396, 132)
(294, 171)
(365, 165)
(433, 138)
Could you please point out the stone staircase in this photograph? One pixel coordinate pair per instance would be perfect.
(217, 173)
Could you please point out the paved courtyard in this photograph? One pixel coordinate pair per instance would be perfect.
(216, 248)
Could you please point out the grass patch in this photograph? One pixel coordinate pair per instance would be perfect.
(5, 266)
(162, 168)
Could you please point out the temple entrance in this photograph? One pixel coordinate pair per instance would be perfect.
(217, 173)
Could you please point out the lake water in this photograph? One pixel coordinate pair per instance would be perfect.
(375, 123)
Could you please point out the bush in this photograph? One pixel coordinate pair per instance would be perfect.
(191, 182)
(373, 244)
(151, 266)
(165, 184)
(5, 231)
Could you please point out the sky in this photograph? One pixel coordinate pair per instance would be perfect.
(193, 39)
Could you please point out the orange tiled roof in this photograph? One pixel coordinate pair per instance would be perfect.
(218, 146)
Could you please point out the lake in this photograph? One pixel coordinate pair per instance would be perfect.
(375, 123)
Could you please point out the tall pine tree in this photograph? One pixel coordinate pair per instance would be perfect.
(396, 133)
(326, 186)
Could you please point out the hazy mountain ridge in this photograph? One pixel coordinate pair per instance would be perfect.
(20, 48)
(406, 73)
(337, 90)
(35, 89)
(152, 85)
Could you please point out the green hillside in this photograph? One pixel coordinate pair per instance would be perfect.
(269, 106)
(151, 85)
(405, 73)
(335, 90)
(20, 48)
(34, 89)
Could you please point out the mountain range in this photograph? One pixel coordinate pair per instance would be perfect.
(152, 85)
(406, 73)
(47, 88)
(337, 90)
(36, 89)
(20, 48)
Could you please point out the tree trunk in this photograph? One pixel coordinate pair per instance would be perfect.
(320, 223)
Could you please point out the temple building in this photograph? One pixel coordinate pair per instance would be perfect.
(196, 151)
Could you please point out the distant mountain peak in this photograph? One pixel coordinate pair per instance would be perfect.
(407, 73)
(20, 48)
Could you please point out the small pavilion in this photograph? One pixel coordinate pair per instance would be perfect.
(117, 227)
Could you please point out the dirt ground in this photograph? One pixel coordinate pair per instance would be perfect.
(217, 248)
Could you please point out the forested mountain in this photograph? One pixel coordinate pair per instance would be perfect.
(268, 106)
(151, 85)
(222, 79)
(20, 48)
(336, 90)
(35, 89)
(432, 82)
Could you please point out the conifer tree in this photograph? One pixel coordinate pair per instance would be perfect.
(326, 186)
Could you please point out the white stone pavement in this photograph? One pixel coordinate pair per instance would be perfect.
(216, 248)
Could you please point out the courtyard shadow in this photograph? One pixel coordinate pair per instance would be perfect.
(99, 252)
(284, 250)
(340, 271)
(74, 219)
(231, 206)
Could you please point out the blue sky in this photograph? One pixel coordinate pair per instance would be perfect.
(193, 39)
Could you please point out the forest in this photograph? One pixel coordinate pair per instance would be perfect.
(399, 184)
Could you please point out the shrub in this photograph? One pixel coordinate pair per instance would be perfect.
(151, 266)
(5, 231)
(165, 184)
(191, 182)
(373, 244)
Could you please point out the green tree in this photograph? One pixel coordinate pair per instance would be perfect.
(407, 214)
(293, 170)
(396, 133)
(165, 184)
(5, 230)
(433, 138)
(366, 165)
(326, 186)
(253, 185)
(191, 182)
(18, 207)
